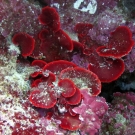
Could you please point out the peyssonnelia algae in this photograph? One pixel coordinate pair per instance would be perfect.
(56, 44)
(63, 89)
(63, 98)
(111, 66)
(58, 86)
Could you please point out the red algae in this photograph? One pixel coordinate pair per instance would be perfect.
(50, 17)
(68, 87)
(26, 43)
(120, 43)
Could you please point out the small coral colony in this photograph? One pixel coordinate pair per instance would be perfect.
(57, 63)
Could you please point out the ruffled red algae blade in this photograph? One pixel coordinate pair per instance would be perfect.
(54, 44)
(64, 40)
(48, 78)
(67, 87)
(36, 82)
(120, 43)
(106, 69)
(50, 17)
(83, 28)
(43, 99)
(45, 34)
(69, 122)
(78, 46)
(39, 63)
(25, 42)
(57, 66)
(83, 79)
(75, 99)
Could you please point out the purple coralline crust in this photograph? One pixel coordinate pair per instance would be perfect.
(106, 4)
(120, 118)
(18, 16)
(129, 61)
(131, 25)
(80, 61)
